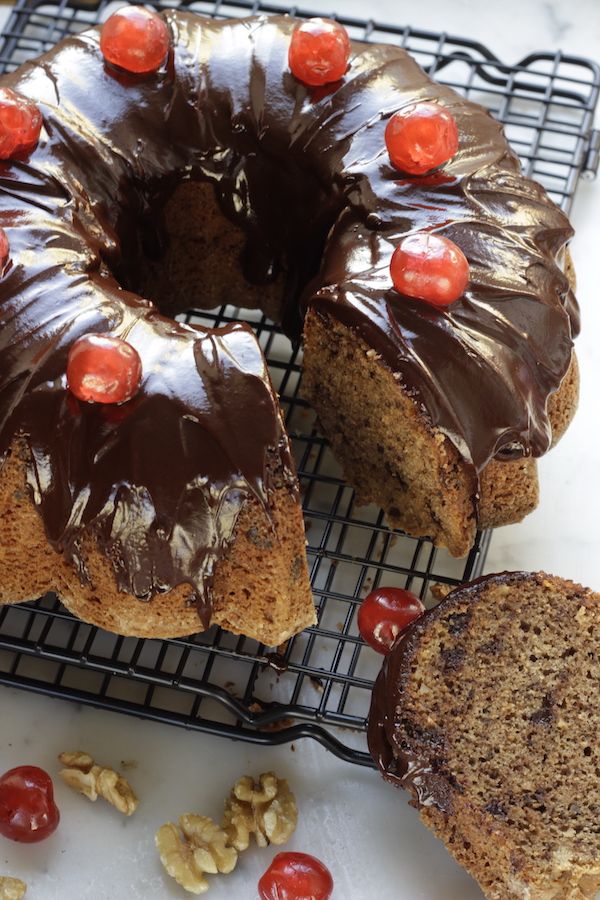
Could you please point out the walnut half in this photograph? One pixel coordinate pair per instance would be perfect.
(82, 774)
(266, 809)
(200, 849)
(11, 888)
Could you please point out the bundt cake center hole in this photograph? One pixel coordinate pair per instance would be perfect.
(194, 248)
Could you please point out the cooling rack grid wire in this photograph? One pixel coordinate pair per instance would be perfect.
(319, 684)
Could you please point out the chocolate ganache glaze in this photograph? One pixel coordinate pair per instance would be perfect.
(159, 482)
(396, 762)
(417, 764)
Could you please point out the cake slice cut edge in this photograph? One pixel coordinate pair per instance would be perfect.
(487, 712)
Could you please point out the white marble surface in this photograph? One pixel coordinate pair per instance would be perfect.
(372, 841)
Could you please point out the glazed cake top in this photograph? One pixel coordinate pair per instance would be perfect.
(160, 481)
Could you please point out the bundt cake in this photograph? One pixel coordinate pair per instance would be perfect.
(216, 173)
(486, 710)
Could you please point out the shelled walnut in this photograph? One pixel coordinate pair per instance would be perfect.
(82, 774)
(267, 810)
(201, 848)
(439, 591)
(12, 888)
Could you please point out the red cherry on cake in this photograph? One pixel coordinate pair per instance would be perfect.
(20, 124)
(28, 812)
(384, 614)
(319, 52)
(4, 249)
(135, 39)
(103, 369)
(296, 876)
(421, 137)
(431, 268)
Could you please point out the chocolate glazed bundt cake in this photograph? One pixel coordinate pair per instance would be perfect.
(486, 710)
(218, 174)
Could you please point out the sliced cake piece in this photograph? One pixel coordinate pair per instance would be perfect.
(487, 711)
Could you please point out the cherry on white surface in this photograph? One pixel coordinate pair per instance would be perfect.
(361, 828)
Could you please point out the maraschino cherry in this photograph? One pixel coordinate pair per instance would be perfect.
(135, 39)
(103, 369)
(28, 812)
(296, 876)
(420, 137)
(384, 614)
(319, 52)
(431, 268)
(20, 124)
(4, 250)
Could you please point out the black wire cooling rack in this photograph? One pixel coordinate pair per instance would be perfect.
(319, 684)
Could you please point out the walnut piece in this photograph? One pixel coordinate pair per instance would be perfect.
(267, 810)
(200, 849)
(439, 591)
(11, 888)
(82, 774)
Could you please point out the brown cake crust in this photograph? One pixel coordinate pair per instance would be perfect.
(260, 588)
(508, 491)
(487, 712)
(562, 405)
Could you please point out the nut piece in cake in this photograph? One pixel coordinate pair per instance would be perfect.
(266, 809)
(201, 848)
(93, 781)
(12, 888)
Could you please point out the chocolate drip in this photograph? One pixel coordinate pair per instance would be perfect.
(160, 481)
